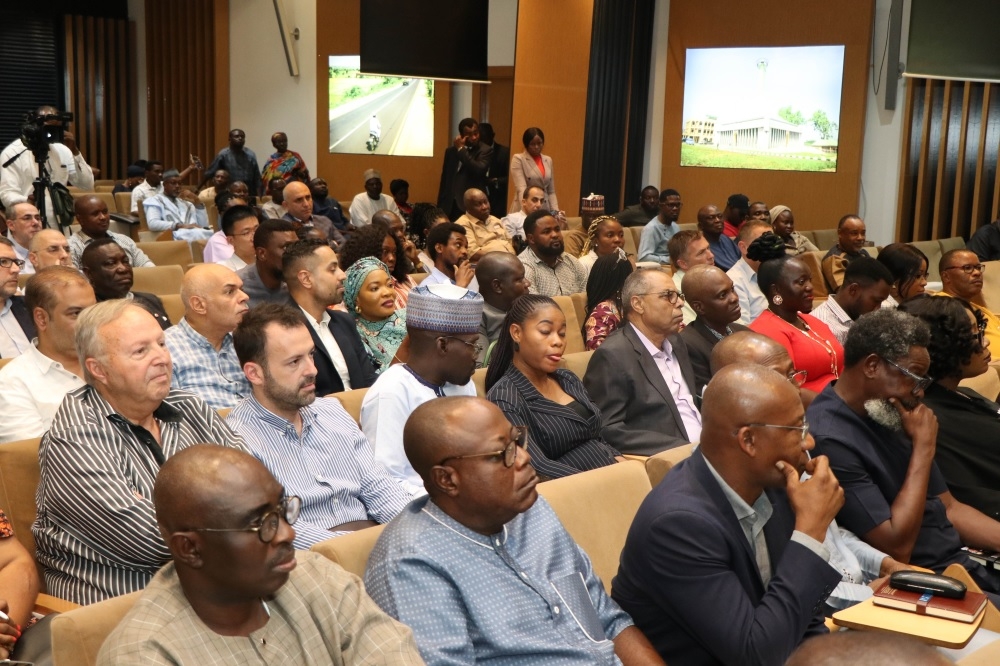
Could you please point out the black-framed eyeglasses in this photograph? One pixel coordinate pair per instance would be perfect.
(798, 377)
(518, 438)
(803, 429)
(267, 526)
(7, 262)
(968, 269)
(919, 383)
(669, 295)
(477, 347)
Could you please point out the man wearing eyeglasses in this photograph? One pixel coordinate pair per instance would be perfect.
(442, 326)
(641, 377)
(881, 441)
(16, 326)
(23, 223)
(962, 277)
(313, 447)
(236, 592)
(481, 569)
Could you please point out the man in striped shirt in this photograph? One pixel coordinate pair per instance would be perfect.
(313, 447)
(96, 530)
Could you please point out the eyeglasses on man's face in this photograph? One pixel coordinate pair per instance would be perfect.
(968, 269)
(668, 295)
(518, 438)
(803, 429)
(7, 262)
(476, 347)
(267, 525)
(798, 377)
(919, 383)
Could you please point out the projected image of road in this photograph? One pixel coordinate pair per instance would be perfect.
(379, 115)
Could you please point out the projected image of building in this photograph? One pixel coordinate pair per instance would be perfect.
(699, 131)
(759, 134)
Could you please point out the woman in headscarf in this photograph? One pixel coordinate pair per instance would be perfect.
(783, 222)
(370, 297)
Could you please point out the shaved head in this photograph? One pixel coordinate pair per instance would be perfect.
(748, 347)
(700, 281)
(202, 279)
(496, 266)
(295, 188)
(439, 428)
(386, 217)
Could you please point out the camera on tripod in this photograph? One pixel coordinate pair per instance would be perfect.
(39, 131)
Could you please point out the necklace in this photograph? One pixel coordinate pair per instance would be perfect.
(719, 336)
(822, 342)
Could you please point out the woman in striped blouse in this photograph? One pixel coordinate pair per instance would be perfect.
(524, 380)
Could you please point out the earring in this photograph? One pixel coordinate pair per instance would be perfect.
(777, 300)
(517, 347)
(357, 309)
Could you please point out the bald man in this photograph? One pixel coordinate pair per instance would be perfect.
(484, 232)
(481, 568)
(223, 516)
(710, 294)
(92, 214)
(201, 344)
(49, 247)
(871, 648)
(501, 280)
(298, 204)
(724, 562)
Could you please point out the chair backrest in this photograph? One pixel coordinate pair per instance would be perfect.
(166, 253)
(580, 304)
(597, 508)
(123, 202)
(636, 233)
(986, 384)
(991, 286)
(77, 636)
(479, 380)
(351, 551)
(933, 251)
(814, 260)
(5, 361)
(574, 336)
(953, 243)
(657, 466)
(577, 363)
(631, 245)
(824, 239)
(174, 306)
(19, 476)
(418, 277)
(142, 218)
(351, 400)
(158, 280)
(198, 251)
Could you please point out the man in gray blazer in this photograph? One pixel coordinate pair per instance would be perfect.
(641, 377)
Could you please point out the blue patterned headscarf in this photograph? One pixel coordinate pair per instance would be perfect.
(381, 338)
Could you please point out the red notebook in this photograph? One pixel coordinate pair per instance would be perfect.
(963, 610)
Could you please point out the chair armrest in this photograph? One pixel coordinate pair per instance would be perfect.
(46, 604)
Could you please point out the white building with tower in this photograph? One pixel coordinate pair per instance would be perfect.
(761, 131)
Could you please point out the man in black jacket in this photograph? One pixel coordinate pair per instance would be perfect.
(315, 283)
(499, 171)
(466, 164)
(14, 340)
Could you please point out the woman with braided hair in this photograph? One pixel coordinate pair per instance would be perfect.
(605, 236)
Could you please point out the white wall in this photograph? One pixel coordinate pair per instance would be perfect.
(264, 99)
(502, 33)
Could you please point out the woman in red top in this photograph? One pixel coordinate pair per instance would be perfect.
(532, 169)
(786, 282)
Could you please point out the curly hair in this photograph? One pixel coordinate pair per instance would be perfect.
(952, 343)
(364, 242)
(887, 333)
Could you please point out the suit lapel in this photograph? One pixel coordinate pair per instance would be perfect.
(681, 353)
(653, 374)
(541, 404)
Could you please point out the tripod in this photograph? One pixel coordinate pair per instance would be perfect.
(41, 184)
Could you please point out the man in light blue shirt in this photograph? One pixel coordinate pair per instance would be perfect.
(744, 273)
(178, 210)
(659, 230)
(481, 569)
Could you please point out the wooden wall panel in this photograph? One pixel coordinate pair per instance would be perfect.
(187, 73)
(496, 103)
(552, 67)
(818, 199)
(100, 76)
(343, 172)
(948, 179)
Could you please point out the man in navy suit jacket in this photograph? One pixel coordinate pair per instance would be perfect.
(724, 562)
(466, 164)
(316, 283)
(13, 306)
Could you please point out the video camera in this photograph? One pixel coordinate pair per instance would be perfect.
(40, 131)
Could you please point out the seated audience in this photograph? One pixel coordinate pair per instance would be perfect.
(327, 206)
(513, 223)
(425, 217)
(218, 248)
(17, 327)
(134, 175)
(783, 223)
(641, 378)
(484, 232)
(262, 280)
(220, 183)
(151, 185)
(201, 344)
(215, 599)
(239, 224)
(605, 310)
(298, 205)
(96, 533)
(550, 270)
(985, 242)
(313, 447)
(35, 382)
(273, 210)
(968, 423)
(759, 211)
(448, 248)
(723, 248)
(526, 383)
(374, 240)
(371, 301)
(962, 277)
(687, 249)
(710, 293)
(502, 278)
(908, 267)
(316, 285)
(638, 215)
(478, 566)
(178, 210)
(19, 582)
(397, 227)
(881, 442)
(656, 233)
(744, 272)
(49, 247)
(400, 190)
(605, 236)
(23, 223)
(787, 283)
(724, 562)
(442, 324)
(736, 214)
(92, 214)
(107, 267)
(867, 284)
(369, 202)
(850, 245)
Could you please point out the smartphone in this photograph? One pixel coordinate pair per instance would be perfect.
(197, 162)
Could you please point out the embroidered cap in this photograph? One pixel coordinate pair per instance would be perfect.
(372, 173)
(444, 308)
(592, 204)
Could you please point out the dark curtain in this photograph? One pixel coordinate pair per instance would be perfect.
(617, 97)
(31, 72)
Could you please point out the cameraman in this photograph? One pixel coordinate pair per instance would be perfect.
(65, 165)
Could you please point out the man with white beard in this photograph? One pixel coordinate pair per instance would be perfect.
(881, 438)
